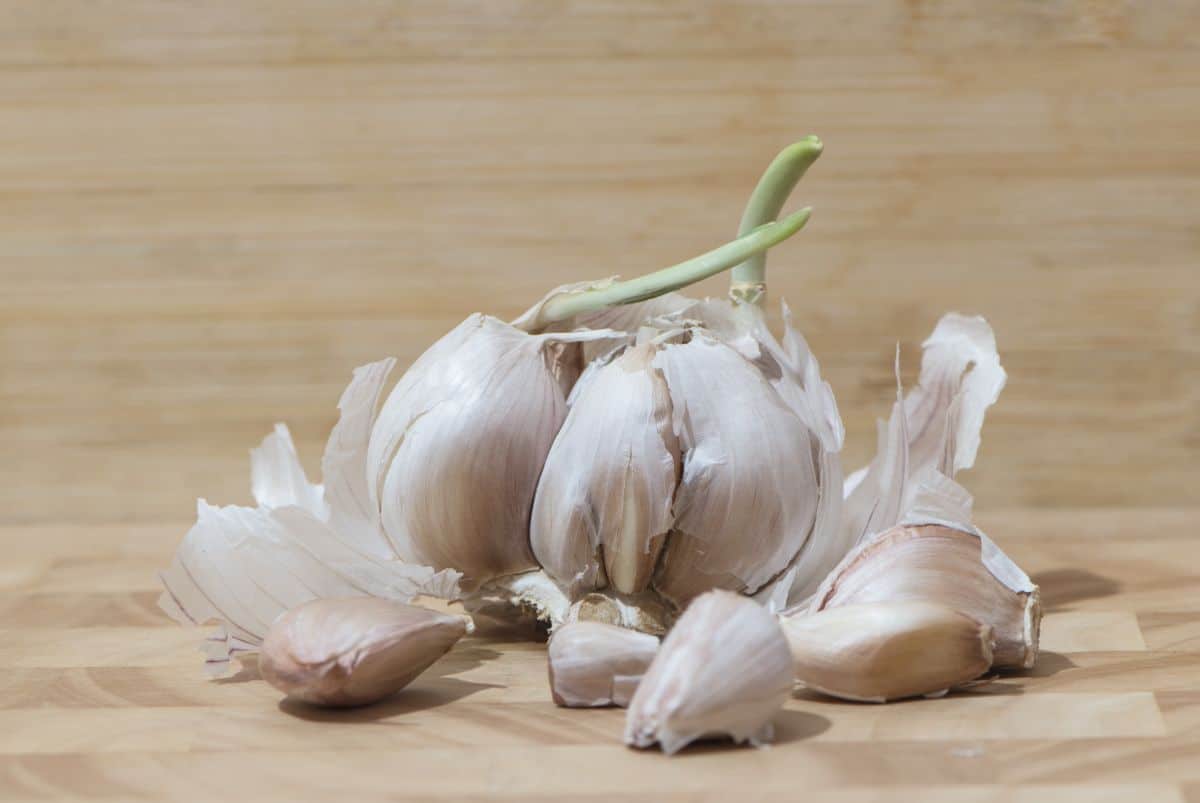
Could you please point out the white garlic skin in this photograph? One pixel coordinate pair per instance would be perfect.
(887, 651)
(354, 650)
(724, 670)
(592, 664)
(931, 563)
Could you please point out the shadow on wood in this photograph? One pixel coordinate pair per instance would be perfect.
(790, 726)
(418, 697)
(1062, 587)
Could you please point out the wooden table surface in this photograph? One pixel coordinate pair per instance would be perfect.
(210, 212)
(101, 697)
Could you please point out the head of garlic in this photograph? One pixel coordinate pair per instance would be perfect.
(611, 455)
(428, 494)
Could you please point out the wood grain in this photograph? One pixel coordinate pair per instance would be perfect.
(209, 213)
(103, 698)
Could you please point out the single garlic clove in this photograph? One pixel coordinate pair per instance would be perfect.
(354, 650)
(594, 664)
(887, 651)
(457, 449)
(603, 505)
(945, 566)
(724, 669)
(748, 496)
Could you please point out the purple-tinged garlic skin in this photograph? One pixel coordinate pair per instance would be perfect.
(945, 566)
(354, 651)
(725, 669)
(877, 652)
(592, 664)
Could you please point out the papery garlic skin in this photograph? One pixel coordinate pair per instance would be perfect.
(725, 669)
(241, 567)
(877, 652)
(354, 651)
(457, 449)
(593, 664)
(945, 566)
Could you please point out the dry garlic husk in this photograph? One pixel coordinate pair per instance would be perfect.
(241, 567)
(354, 651)
(724, 670)
(946, 566)
(887, 651)
(592, 664)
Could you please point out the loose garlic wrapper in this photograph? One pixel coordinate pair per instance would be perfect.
(615, 452)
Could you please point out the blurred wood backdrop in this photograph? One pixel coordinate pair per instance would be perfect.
(210, 212)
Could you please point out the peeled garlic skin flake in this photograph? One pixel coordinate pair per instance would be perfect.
(724, 670)
(354, 650)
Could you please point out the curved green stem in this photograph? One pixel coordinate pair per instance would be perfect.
(748, 279)
(569, 304)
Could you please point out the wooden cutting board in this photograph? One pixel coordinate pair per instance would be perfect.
(102, 697)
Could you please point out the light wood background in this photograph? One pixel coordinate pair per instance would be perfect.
(211, 211)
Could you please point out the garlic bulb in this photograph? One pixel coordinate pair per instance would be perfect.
(612, 455)
(443, 475)
(354, 651)
(887, 651)
(594, 664)
(724, 670)
(938, 564)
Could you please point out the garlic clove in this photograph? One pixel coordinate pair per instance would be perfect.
(459, 445)
(593, 664)
(603, 504)
(354, 650)
(946, 566)
(724, 669)
(877, 652)
(748, 495)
